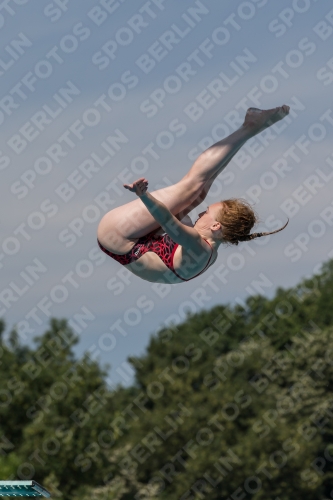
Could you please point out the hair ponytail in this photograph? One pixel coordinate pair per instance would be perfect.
(237, 218)
(252, 236)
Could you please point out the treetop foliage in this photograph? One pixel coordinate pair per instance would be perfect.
(233, 401)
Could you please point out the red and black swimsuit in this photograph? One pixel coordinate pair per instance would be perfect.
(162, 245)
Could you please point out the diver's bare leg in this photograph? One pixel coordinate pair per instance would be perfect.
(213, 161)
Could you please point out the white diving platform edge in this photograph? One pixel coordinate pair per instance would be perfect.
(22, 489)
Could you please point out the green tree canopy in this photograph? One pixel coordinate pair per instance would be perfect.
(233, 401)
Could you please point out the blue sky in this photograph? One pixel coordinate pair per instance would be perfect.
(75, 74)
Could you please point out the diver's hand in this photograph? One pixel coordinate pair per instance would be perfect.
(139, 187)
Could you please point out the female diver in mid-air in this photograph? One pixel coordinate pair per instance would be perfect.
(132, 234)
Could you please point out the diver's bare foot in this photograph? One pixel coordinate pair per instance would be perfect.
(257, 120)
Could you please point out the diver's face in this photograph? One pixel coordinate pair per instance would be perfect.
(208, 217)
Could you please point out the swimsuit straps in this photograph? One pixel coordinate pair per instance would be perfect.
(162, 245)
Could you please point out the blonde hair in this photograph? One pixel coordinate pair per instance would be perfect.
(237, 218)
